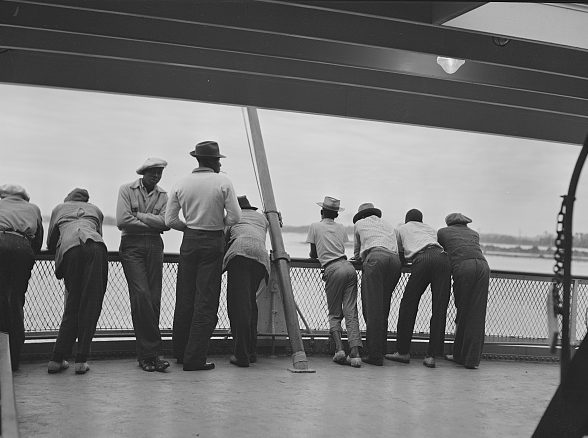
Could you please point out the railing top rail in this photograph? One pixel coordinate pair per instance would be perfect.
(298, 262)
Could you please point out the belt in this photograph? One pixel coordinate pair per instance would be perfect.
(15, 233)
(333, 261)
(429, 246)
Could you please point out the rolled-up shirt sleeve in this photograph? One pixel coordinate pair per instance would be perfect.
(231, 205)
(172, 212)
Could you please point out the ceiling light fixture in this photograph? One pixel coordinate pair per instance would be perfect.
(450, 65)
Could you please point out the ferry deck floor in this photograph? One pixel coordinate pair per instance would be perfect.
(117, 399)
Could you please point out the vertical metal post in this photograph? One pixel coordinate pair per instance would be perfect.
(574, 313)
(280, 257)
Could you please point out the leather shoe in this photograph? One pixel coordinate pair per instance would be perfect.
(56, 367)
(241, 364)
(253, 358)
(204, 367)
(371, 361)
(429, 362)
(397, 357)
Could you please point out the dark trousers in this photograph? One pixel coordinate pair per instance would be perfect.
(380, 275)
(197, 294)
(16, 262)
(243, 278)
(470, 288)
(430, 267)
(142, 262)
(85, 277)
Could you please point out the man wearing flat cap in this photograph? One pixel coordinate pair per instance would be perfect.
(75, 235)
(208, 203)
(140, 215)
(247, 264)
(21, 236)
(327, 244)
(417, 244)
(375, 245)
(471, 277)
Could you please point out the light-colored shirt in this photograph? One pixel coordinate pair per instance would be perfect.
(72, 224)
(17, 214)
(414, 236)
(329, 238)
(203, 196)
(247, 239)
(372, 232)
(148, 209)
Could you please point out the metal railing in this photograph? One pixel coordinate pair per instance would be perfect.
(516, 302)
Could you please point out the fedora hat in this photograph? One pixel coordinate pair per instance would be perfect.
(244, 203)
(330, 204)
(151, 162)
(366, 209)
(457, 218)
(207, 149)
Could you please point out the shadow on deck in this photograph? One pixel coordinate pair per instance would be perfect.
(117, 399)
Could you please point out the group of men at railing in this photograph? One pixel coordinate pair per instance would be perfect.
(220, 232)
(224, 232)
(434, 257)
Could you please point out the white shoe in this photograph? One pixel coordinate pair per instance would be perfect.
(340, 357)
(355, 362)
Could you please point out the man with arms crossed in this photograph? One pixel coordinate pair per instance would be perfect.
(140, 215)
(203, 196)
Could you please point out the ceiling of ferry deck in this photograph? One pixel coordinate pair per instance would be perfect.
(525, 71)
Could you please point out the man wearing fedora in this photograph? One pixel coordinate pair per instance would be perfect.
(21, 236)
(471, 277)
(375, 245)
(417, 244)
(208, 203)
(247, 264)
(327, 244)
(140, 215)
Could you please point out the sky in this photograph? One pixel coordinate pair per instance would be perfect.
(52, 140)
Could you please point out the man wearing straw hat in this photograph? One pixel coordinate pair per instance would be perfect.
(203, 197)
(21, 236)
(140, 215)
(327, 244)
(375, 245)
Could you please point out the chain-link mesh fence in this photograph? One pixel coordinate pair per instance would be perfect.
(516, 302)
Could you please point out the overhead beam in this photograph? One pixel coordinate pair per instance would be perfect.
(308, 21)
(286, 67)
(293, 94)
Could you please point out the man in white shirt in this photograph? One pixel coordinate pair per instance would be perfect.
(327, 240)
(417, 243)
(375, 245)
(203, 197)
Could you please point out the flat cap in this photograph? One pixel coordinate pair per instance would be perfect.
(151, 162)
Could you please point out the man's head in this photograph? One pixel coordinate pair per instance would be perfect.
(152, 170)
(330, 207)
(13, 190)
(457, 219)
(77, 194)
(208, 155)
(413, 215)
